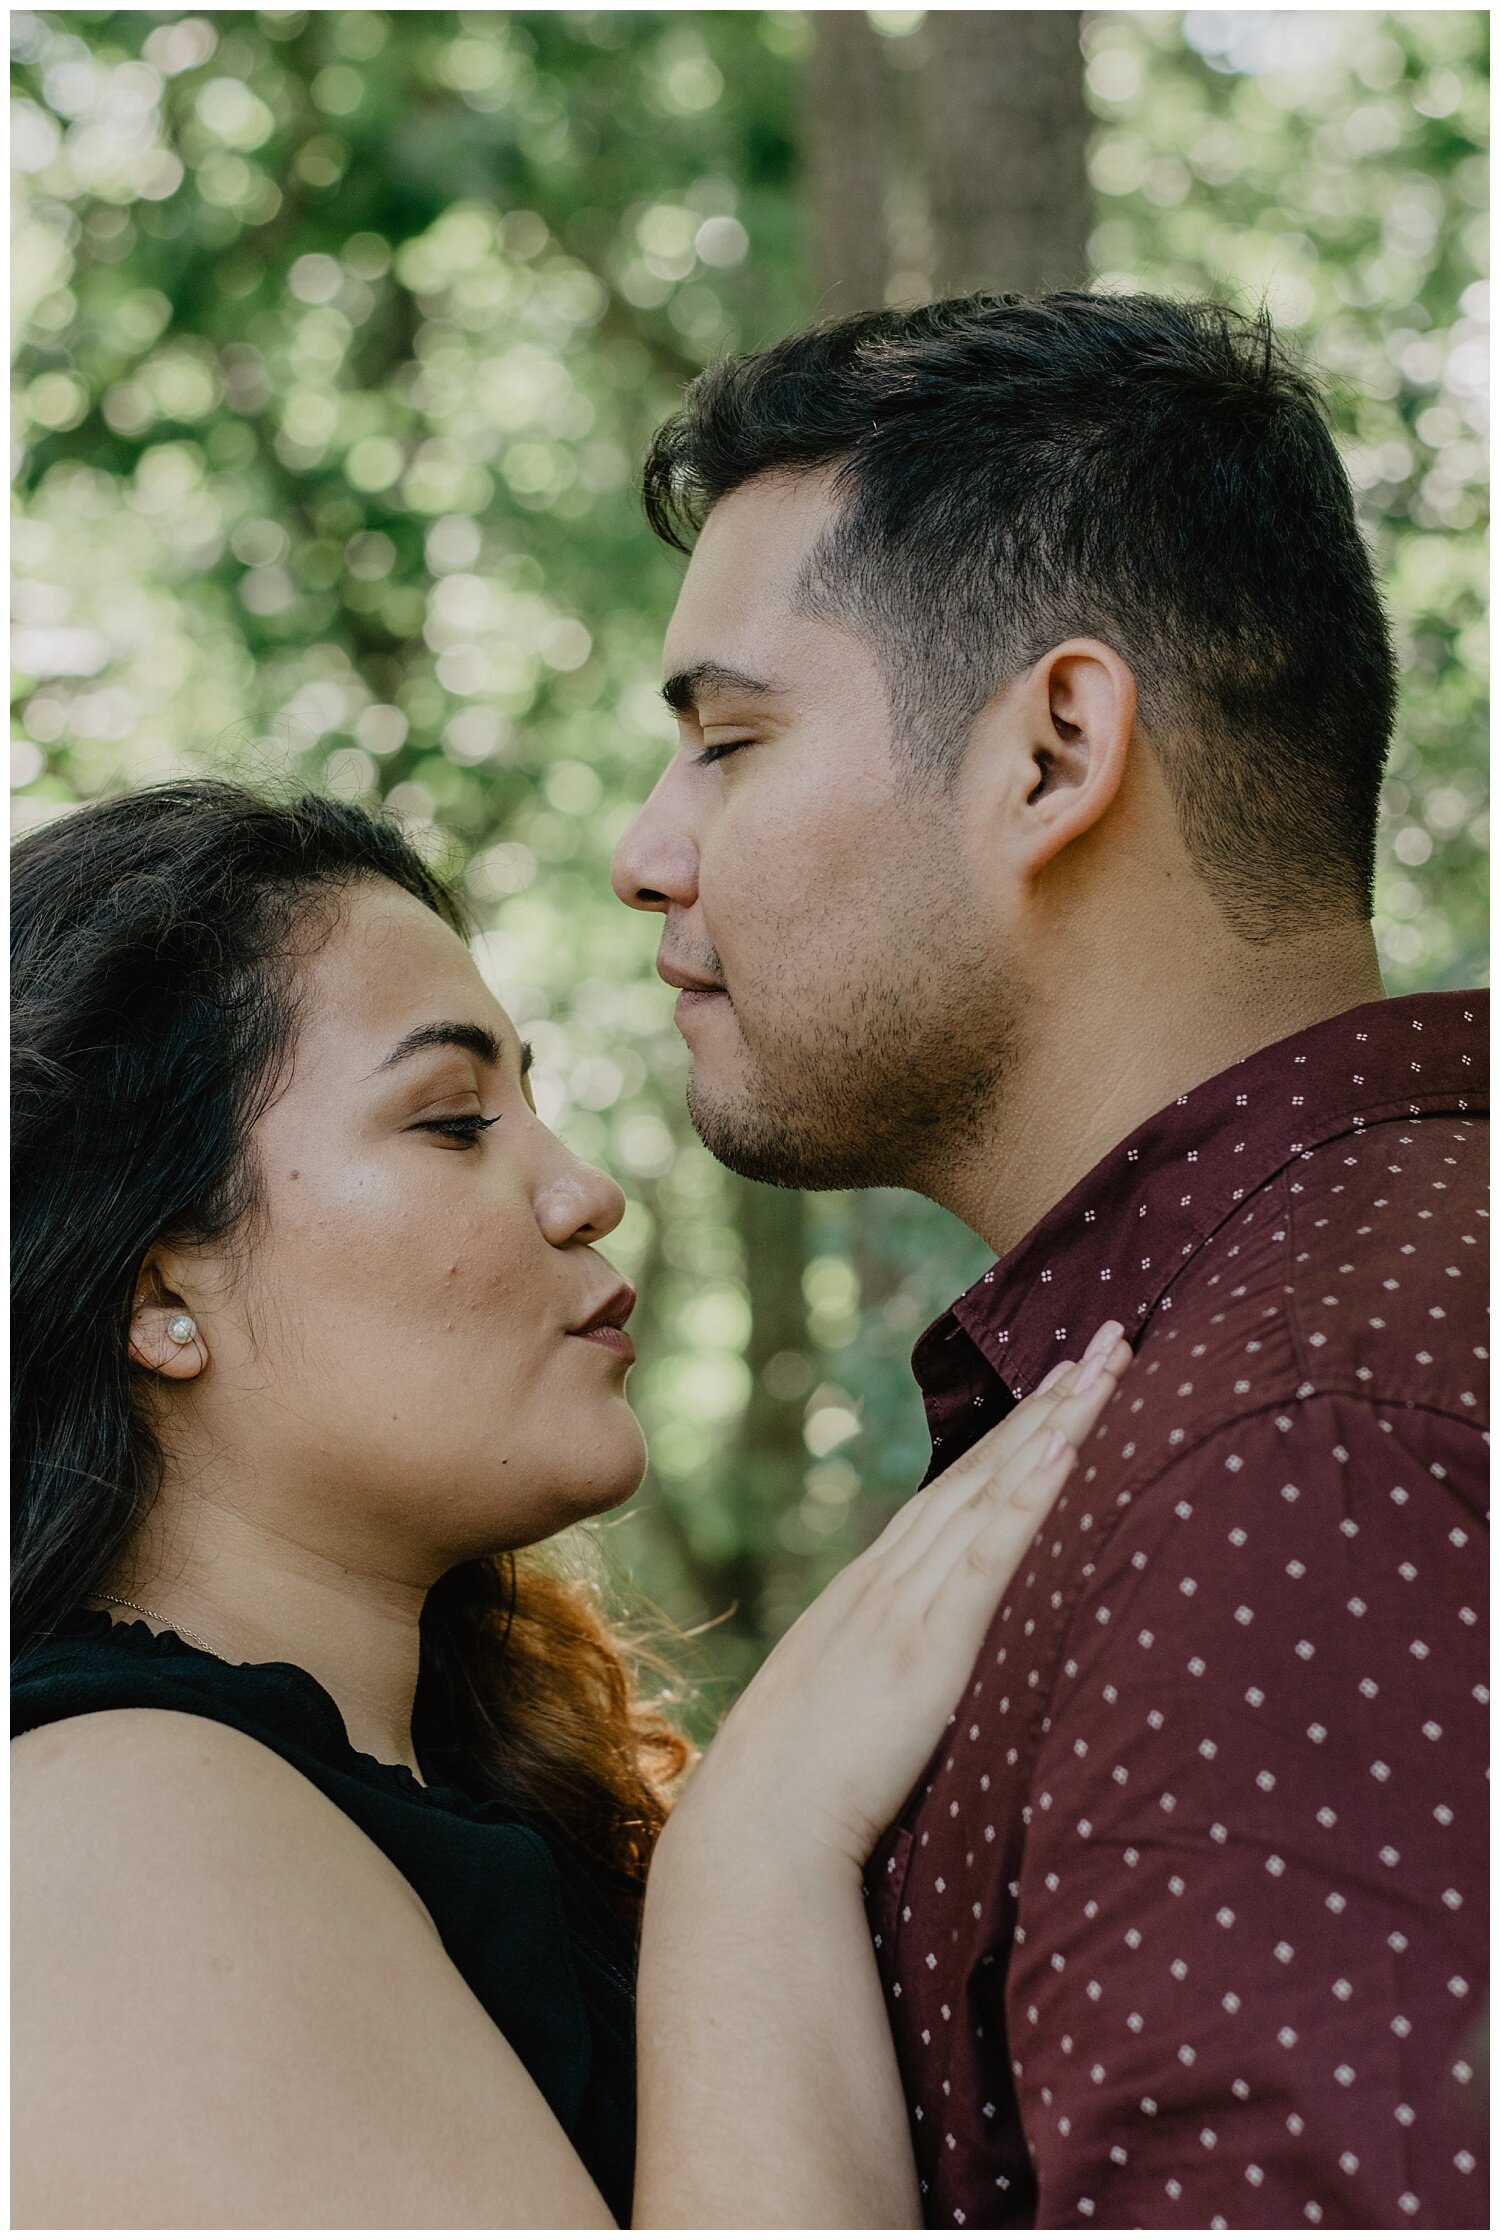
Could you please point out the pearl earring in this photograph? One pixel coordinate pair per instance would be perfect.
(182, 1329)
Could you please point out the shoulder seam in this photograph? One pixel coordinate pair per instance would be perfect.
(1288, 1282)
(1250, 1416)
(1369, 1402)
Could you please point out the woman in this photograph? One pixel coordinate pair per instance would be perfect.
(331, 1814)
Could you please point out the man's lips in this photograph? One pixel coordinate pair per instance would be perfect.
(696, 999)
(691, 983)
(694, 990)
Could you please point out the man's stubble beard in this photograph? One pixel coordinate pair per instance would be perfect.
(892, 1081)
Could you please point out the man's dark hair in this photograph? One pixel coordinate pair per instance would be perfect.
(1013, 472)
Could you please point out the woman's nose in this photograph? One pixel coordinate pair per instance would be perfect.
(580, 1205)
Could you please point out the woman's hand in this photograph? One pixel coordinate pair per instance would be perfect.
(826, 1743)
(769, 2091)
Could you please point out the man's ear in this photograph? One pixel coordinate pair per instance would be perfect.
(164, 1331)
(1067, 726)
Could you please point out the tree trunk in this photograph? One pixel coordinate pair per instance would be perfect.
(845, 125)
(665, 1515)
(963, 154)
(1004, 132)
(771, 1460)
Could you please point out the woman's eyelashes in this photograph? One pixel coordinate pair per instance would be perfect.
(461, 1128)
(719, 750)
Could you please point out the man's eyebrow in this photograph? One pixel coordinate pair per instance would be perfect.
(683, 691)
(452, 1034)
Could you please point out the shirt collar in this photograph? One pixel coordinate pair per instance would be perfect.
(1112, 1246)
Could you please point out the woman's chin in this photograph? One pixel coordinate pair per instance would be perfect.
(597, 1463)
(632, 1462)
(593, 1482)
(611, 1490)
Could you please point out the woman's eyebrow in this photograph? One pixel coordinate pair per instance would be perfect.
(449, 1034)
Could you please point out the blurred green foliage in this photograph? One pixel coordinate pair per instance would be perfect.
(1337, 166)
(340, 336)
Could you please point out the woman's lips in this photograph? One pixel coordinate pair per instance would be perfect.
(606, 1334)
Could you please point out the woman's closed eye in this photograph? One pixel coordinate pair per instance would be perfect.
(719, 748)
(462, 1129)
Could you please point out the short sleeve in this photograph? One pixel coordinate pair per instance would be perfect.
(1251, 1930)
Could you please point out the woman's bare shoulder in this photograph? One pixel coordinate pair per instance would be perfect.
(176, 1794)
(230, 2009)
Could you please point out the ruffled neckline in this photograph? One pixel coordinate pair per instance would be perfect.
(136, 1635)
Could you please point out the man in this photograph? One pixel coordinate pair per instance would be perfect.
(1034, 694)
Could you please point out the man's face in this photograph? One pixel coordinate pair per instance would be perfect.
(840, 979)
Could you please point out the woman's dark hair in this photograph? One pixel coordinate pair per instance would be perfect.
(1014, 472)
(154, 944)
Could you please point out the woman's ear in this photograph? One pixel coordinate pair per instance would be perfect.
(164, 1333)
(1069, 722)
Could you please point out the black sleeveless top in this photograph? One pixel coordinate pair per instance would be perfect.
(520, 1918)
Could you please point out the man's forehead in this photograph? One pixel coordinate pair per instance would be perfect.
(767, 526)
(739, 616)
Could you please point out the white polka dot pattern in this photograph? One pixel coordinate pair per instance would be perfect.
(1185, 1925)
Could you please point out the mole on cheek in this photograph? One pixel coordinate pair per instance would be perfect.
(295, 1175)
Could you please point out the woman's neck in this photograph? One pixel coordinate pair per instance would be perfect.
(256, 1597)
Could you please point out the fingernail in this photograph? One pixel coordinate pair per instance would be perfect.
(1090, 1373)
(1107, 1335)
(1055, 1446)
(1052, 1376)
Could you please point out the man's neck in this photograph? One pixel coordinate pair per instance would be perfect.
(1101, 1061)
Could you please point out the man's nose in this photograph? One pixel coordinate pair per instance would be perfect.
(655, 864)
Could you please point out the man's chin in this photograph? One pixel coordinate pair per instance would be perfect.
(764, 1144)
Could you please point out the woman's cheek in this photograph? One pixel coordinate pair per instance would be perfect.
(485, 1276)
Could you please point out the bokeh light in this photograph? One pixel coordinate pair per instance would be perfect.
(339, 335)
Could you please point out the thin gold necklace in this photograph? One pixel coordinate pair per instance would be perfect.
(121, 1602)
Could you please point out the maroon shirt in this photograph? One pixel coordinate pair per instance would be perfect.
(1185, 1924)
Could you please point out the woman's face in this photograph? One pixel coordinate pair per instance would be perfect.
(395, 1376)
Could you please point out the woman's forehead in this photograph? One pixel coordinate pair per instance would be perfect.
(387, 966)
